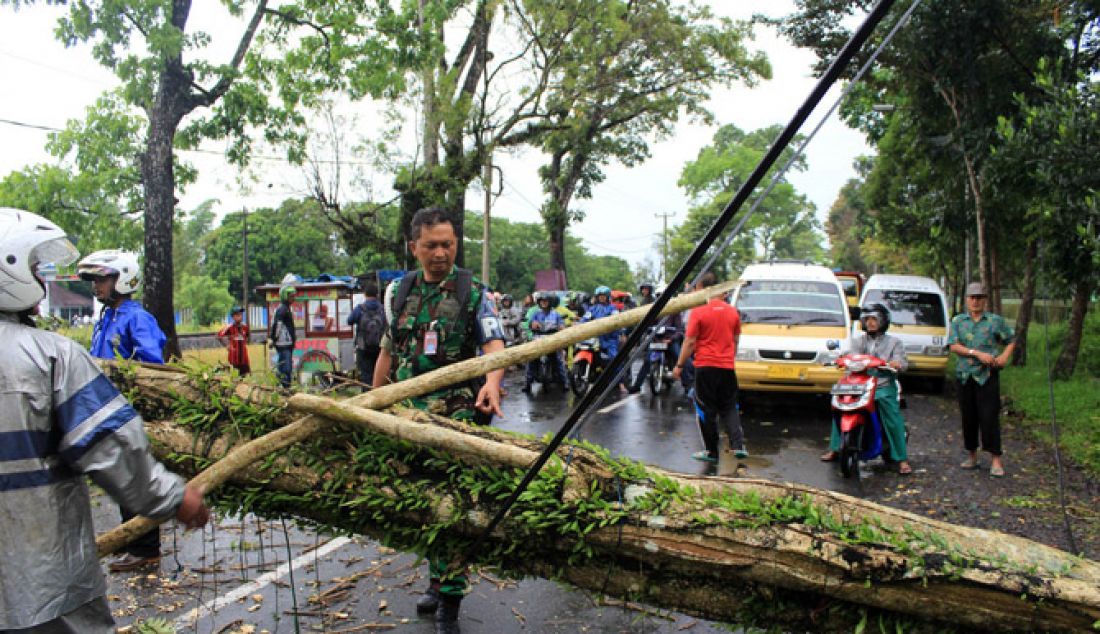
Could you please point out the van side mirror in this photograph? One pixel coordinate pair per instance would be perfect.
(854, 312)
(832, 344)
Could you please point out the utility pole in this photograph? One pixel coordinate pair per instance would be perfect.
(487, 182)
(664, 240)
(244, 252)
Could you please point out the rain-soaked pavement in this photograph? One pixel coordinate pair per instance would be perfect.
(235, 576)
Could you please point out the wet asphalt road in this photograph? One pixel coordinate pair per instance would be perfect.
(234, 576)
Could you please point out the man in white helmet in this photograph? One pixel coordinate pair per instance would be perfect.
(124, 330)
(63, 420)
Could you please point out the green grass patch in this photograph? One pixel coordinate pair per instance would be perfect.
(1076, 399)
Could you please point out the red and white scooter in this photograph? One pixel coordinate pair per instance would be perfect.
(854, 412)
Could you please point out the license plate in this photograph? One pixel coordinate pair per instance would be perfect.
(848, 390)
(658, 346)
(784, 372)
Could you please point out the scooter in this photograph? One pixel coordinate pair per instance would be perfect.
(588, 362)
(546, 368)
(661, 360)
(855, 414)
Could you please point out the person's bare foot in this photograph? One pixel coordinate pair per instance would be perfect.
(829, 456)
(904, 468)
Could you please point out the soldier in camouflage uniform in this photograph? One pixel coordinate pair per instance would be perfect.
(431, 330)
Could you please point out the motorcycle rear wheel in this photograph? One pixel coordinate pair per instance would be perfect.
(657, 381)
(580, 377)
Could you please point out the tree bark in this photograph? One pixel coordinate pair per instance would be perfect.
(1067, 360)
(158, 179)
(1027, 301)
(705, 551)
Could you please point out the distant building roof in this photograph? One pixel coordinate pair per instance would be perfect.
(62, 297)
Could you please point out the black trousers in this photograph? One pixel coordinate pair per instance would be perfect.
(716, 400)
(364, 362)
(980, 410)
(148, 545)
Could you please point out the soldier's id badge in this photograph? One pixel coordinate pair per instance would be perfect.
(431, 342)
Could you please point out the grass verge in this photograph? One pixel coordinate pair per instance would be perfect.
(1076, 400)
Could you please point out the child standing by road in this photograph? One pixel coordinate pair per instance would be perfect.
(235, 336)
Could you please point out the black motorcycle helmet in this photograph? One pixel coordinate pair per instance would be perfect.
(879, 312)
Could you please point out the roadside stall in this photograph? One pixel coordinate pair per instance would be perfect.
(321, 307)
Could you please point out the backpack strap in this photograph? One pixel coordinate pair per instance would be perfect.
(403, 290)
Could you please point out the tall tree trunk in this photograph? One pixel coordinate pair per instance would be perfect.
(994, 287)
(984, 266)
(1067, 360)
(457, 206)
(158, 179)
(557, 247)
(1027, 301)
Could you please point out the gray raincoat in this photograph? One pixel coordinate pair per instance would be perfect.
(61, 420)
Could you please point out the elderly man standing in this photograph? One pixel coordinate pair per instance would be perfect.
(976, 337)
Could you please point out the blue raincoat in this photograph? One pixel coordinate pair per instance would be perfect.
(130, 331)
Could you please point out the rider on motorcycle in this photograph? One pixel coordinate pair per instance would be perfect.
(545, 320)
(875, 319)
(645, 289)
(511, 316)
(609, 343)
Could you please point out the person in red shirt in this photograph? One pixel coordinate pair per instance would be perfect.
(235, 336)
(712, 334)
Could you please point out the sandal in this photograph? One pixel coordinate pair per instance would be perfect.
(969, 465)
(703, 456)
(829, 456)
(905, 469)
(997, 472)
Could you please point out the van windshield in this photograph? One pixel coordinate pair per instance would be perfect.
(792, 302)
(909, 308)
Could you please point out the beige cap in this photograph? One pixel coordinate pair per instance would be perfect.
(975, 288)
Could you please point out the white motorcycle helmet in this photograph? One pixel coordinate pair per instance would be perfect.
(112, 262)
(27, 240)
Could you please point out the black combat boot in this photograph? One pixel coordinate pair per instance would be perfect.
(429, 601)
(446, 615)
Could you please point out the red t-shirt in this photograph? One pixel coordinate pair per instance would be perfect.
(715, 327)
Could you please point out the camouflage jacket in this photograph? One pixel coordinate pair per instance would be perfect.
(433, 308)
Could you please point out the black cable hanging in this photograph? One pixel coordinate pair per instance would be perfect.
(777, 178)
(618, 363)
(1055, 430)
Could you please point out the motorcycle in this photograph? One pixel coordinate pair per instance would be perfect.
(855, 414)
(546, 368)
(661, 359)
(588, 362)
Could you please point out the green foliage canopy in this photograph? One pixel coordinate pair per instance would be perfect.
(784, 225)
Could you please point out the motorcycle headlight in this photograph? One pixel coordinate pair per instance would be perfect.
(746, 354)
(935, 351)
(857, 366)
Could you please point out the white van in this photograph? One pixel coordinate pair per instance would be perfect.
(794, 319)
(918, 316)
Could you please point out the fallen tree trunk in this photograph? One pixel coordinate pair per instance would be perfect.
(747, 551)
(243, 456)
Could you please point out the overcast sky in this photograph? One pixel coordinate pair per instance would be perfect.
(44, 84)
